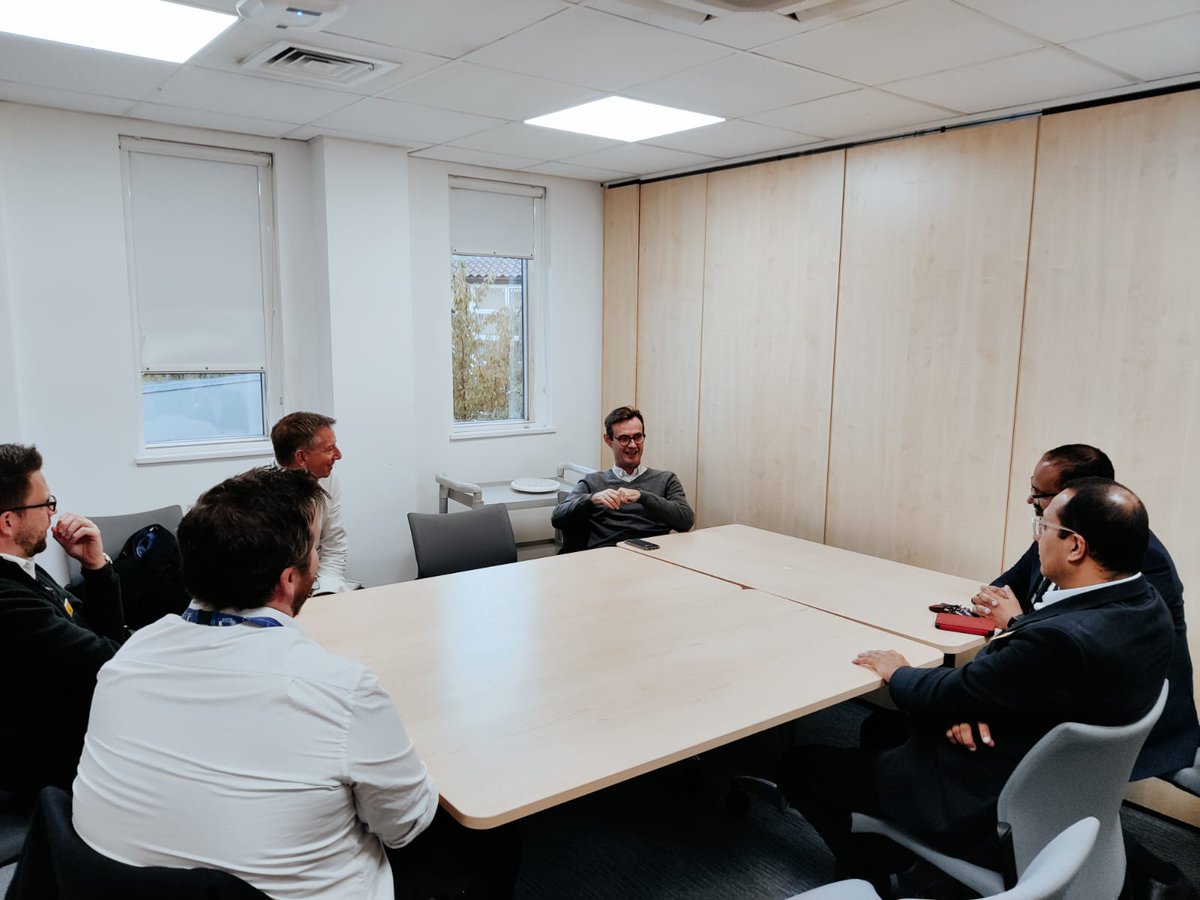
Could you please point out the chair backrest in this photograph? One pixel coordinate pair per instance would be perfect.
(573, 537)
(1074, 772)
(57, 864)
(456, 542)
(1050, 874)
(115, 530)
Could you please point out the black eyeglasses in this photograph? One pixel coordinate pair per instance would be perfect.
(50, 504)
(625, 439)
(1035, 494)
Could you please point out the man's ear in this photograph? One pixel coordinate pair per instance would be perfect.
(1078, 551)
(608, 440)
(7, 528)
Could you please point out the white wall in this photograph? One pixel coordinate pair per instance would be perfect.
(574, 218)
(365, 322)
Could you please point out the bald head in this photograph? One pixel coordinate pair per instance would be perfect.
(1110, 518)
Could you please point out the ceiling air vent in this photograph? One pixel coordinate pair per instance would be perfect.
(311, 65)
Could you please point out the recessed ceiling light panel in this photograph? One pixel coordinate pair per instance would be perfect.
(622, 119)
(154, 29)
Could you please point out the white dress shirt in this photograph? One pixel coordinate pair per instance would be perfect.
(333, 546)
(254, 750)
(1055, 594)
(625, 476)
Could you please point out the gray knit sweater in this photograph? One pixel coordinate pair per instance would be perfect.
(663, 507)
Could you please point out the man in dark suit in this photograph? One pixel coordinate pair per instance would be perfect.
(1096, 652)
(51, 646)
(1172, 743)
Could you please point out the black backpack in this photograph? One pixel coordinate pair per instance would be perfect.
(151, 572)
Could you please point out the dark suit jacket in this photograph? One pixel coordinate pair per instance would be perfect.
(48, 665)
(1098, 657)
(1172, 743)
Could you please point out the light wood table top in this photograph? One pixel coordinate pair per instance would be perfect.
(887, 595)
(530, 684)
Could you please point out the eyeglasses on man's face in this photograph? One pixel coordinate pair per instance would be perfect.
(626, 439)
(1035, 494)
(50, 504)
(1041, 526)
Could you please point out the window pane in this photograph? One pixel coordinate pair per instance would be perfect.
(487, 337)
(197, 406)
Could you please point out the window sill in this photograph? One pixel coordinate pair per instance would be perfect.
(200, 452)
(475, 433)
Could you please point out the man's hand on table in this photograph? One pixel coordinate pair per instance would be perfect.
(962, 735)
(883, 662)
(998, 602)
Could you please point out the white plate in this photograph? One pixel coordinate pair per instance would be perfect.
(535, 485)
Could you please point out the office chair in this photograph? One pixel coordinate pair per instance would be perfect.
(1187, 779)
(1048, 877)
(14, 824)
(115, 530)
(1075, 771)
(57, 864)
(456, 542)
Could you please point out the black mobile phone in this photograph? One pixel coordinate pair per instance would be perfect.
(952, 608)
(642, 545)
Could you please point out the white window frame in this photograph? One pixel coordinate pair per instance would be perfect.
(536, 318)
(228, 448)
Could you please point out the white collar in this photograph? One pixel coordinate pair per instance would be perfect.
(28, 566)
(625, 476)
(1054, 596)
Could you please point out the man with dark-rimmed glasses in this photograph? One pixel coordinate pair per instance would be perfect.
(629, 500)
(51, 644)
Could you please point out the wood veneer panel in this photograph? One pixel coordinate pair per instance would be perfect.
(770, 308)
(1112, 322)
(934, 246)
(670, 300)
(618, 374)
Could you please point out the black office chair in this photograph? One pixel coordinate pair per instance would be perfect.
(457, 542)
(57, 864)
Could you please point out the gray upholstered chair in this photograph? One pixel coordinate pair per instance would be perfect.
(1075, 771)
(115, 530)
(456, 542)
(1048, 877)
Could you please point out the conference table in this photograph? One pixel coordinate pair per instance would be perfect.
(530, 684)
(887, 595)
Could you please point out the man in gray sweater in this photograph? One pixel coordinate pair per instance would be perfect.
(628, 500)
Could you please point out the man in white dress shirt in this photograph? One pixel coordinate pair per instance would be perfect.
(226, 738)
(306, 440)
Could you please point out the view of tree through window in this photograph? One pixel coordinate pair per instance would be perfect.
(487, 337)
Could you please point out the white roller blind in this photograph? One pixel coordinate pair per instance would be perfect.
(492, 220)
(197, 262)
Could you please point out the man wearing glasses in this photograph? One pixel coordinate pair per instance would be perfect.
(51, 644)
(1096, 652)
(629, 500)
(1020, 590)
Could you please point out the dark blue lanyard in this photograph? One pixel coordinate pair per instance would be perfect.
(220, 619)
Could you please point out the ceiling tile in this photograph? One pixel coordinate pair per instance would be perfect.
(308, 132)
(70, 68)
(448, 28)
(732, 139)
(862, 113)
(36, 95)
(476, 157)
(739, 85)
(912, 38)
(1011, 81)
(1067, 20)
(245, 40)
(517, 139)
(405, 121)
(491, 92)
(640, 159)
(1153, 51)
(586, 173)
(245, 95)
(596, 50)
(741, 30)
(198, 118)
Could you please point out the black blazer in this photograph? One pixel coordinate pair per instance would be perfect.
(48, 664)
(1172, 743)
(1098, 657)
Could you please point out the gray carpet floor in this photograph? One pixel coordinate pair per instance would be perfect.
(671, 834)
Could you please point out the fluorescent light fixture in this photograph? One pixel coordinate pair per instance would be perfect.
(152, 28)
(623, 119)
